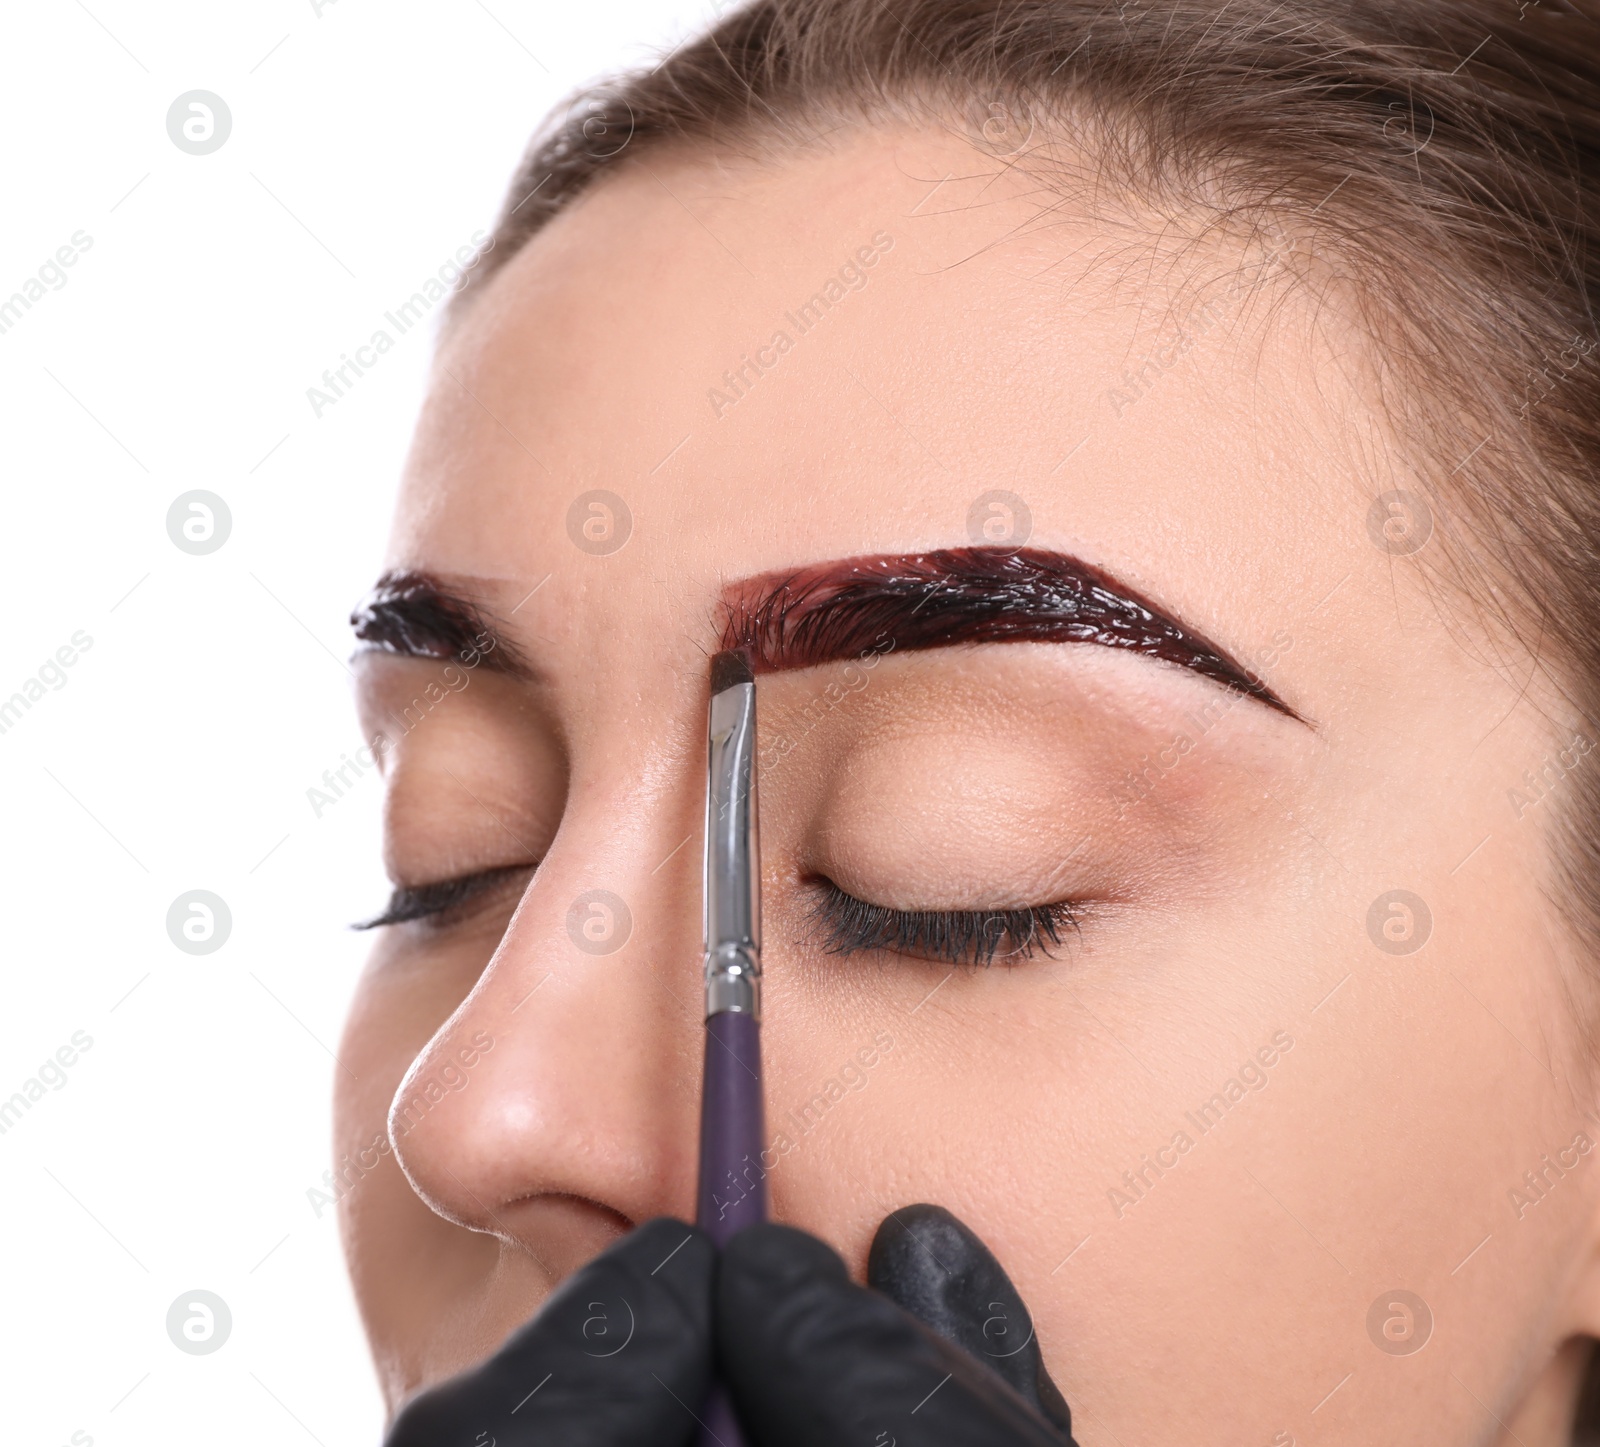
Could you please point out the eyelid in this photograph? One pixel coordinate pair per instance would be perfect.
(412, 902)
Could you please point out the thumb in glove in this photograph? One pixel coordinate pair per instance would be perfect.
(929, 1263)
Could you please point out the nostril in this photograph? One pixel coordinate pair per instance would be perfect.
(567, 1199)
(561, 1232)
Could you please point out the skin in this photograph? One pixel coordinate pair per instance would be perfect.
(1228, 1302)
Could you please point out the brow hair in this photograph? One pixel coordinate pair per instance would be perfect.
(950, 596)
(416, 615)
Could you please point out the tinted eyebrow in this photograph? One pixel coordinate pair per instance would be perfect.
(903, 602)
(416, 615)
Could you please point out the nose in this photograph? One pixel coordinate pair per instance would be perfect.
(558, 1105)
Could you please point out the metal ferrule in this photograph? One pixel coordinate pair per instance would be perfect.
(732, 857)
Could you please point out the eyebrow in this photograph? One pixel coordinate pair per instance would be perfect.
(417, 615)
(904, 602)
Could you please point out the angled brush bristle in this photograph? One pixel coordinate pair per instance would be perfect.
(729, 668)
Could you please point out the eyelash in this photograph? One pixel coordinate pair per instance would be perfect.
(955, 936)
(410, 902)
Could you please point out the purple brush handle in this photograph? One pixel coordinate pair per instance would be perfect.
(733, 1185)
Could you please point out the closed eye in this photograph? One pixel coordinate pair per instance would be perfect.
(954, 936)
(446, 901)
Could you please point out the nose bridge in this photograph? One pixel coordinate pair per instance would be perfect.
(570, 1069)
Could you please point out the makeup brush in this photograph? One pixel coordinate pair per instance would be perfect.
(733, 1191)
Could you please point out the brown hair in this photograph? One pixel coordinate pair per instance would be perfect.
(1436, 161)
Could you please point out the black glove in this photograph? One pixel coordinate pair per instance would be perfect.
(620, 1354)
(812, 1360)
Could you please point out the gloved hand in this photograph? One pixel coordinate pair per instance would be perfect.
(940, 1352)
(621, 1353)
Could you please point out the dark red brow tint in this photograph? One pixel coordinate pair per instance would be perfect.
(845, 609)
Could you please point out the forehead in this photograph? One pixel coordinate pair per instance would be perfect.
(892, 345)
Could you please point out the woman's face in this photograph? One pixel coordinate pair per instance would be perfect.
(1251, 1139)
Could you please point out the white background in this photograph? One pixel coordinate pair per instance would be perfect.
(367, 144)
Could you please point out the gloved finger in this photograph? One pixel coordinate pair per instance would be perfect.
(812, 1360)
(926, 1260)
(619, 1355)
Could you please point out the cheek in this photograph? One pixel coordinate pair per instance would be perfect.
(1192, 1248)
